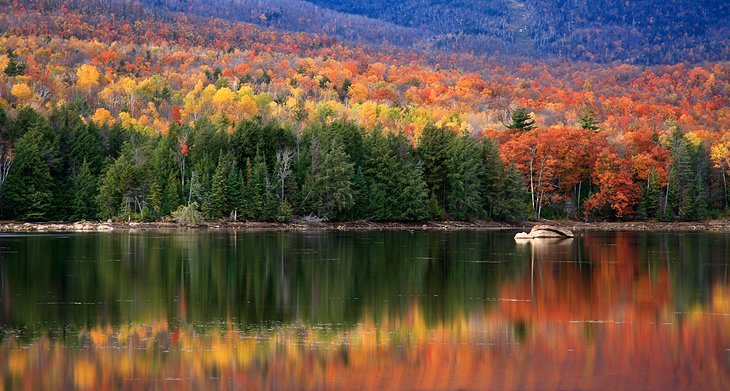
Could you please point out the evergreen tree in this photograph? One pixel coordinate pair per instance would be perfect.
(29, 186)
(504, 195)
(24, 120)
(465, 172)
(84, 190)
(397, 190)
(521, 120)
(14, 68)
(334, 182)
(433, 150)
(360, 192)
(171, 198)
(650, 197)
(234, 186)
(218, 197)
(412, 201)
(261, 195)
(588, 119)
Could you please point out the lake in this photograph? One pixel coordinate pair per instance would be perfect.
(374, 310)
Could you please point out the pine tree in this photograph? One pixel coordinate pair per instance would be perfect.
(334, 182)
(521, 120)
(219, 190)
(360, 191)
(234, 186)
(433, 150)
(84, 190)
(260, 191)
(29, 185)
(504, 195)
(171, 199)
(588, 119)
(412, 201)
(465, 172)
(650, 197)
(250, 197)
(14, 68)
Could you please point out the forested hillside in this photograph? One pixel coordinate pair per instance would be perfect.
(637, 32)
(119, 110)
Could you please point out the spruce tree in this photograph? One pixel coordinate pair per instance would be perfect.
(29, 186)
(588, 119)
(260, 192)
(334, 182)
(219, 187)
(234, 187)
(465, 172)
(171, 198)
(650, 197)
(504, 196)
(521, 120)
(433, 150)
(84, 190)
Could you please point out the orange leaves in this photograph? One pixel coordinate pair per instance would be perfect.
(184, 149)
(241, 70)
(102, 116)
(175, 115)
(618, 192)
(107, 57)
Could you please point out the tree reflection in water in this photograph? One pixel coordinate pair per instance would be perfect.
(375, 310)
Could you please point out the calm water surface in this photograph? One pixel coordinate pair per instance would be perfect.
(460, 310)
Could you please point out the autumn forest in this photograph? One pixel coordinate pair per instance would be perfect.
(136, 111)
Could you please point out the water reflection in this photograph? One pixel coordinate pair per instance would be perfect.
(376, 310)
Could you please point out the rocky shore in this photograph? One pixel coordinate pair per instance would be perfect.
(110, 226)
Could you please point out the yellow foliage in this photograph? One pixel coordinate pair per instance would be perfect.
(246, 107)
(3, 62)
(223, 97)
(358, 92)
(102, 116)
(21, 92)
(367, 114)
(126, 119)
(87, 76)
(17, 363)
(695, 138)
(720, 155)
(84, 374)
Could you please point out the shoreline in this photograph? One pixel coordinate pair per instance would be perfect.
(303, 226)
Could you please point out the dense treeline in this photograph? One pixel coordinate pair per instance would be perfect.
(65, 169)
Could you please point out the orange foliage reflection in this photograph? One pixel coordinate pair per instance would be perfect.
(564, 324)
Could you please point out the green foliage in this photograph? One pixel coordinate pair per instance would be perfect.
(397, 190)
(504, 194)
(188, 215)
(465, 168)
(650, 197)
(29, 186)
(14, 68)
(331, 182)
(521, 120)
(284, 213)
(336, 171)
(688, 197)
(588, 119)
(84, 189)
(433, 150)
